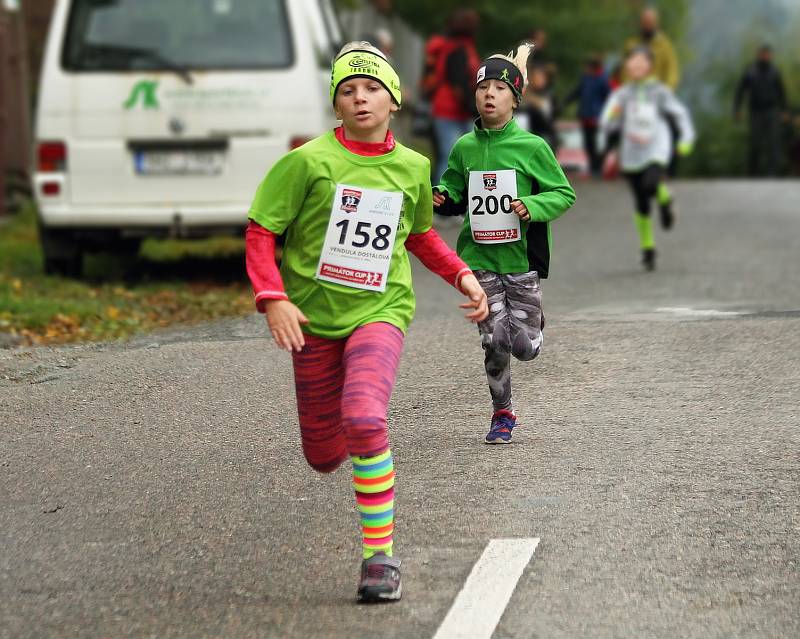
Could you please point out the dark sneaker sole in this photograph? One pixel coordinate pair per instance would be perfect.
(496, 441)
(369, 596)
(649, 260)
(667, 217)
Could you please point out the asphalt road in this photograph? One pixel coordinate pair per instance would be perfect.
(156, 489)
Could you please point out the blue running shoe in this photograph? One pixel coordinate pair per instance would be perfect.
(503, 422)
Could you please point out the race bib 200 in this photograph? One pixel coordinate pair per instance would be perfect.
(490, 214)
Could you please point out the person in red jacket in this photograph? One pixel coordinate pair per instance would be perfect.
(451, 62)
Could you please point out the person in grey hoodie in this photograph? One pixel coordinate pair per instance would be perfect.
(639, 112)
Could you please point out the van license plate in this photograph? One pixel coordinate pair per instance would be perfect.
(178, 162)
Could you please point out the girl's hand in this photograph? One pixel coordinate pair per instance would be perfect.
(284, 320)
(521, 210)
(438, 199)
(477, 298)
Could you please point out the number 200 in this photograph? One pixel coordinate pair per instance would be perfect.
(492, 204)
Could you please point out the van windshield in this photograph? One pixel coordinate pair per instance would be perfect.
(177, 35)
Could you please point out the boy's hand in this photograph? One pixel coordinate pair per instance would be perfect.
(438, 199)
(477, 298)
(284, 320)
(521, 210)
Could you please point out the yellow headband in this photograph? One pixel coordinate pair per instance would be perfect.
(365, 64)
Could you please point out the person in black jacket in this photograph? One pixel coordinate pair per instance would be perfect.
(763, 83)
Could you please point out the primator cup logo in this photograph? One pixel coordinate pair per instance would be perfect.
(350, 200)
(490, 181)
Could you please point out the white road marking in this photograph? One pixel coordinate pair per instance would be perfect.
(479, 606)
(685, 311)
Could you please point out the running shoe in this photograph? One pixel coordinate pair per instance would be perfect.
(503, 422)
(667, 215)
(649, 259)
(380, 579)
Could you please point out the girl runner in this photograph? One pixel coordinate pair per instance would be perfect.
(351, 204)
(512, 187)
(639, 110)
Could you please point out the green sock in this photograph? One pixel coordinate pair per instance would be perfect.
(663, 195)
(645, 228)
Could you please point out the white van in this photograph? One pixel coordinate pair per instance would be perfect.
(160, 117)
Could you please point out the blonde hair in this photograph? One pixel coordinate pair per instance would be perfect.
(359, 45)
(519, 59)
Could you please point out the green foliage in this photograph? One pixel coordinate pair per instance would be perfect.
(720, 56)
(575, 28)
(721, 141)
(346, 4)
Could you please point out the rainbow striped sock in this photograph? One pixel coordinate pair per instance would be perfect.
(373, 480)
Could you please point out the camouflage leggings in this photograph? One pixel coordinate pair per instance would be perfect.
(513, 327)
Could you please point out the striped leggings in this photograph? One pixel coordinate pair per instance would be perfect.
(343, 389)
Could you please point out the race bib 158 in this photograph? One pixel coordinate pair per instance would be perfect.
(360, 238)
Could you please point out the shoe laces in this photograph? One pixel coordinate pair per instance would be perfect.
(376, 571)
(502, 423)
(382, 573)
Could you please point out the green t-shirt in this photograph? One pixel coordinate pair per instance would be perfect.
(296, 198)
(541, 186)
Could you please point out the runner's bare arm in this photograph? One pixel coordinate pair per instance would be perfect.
(520, 210)
(446, 205)
(283, 317)
(284, 320)
(477, 298)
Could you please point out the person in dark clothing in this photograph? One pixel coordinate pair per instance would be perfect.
(591, 92)
(538, 38)
(763, 83)
(540, 105)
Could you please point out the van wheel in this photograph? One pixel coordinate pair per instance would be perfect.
(62, 254)
(71, 267)
(128, 246)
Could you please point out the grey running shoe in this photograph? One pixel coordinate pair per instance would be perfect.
(380, 579)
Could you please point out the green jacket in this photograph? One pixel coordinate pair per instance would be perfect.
(541, 186)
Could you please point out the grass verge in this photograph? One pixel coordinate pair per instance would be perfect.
(171, 282)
